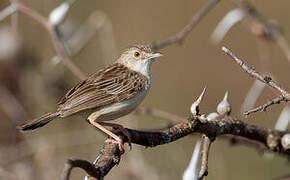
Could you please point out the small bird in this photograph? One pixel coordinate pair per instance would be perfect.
(108, 94)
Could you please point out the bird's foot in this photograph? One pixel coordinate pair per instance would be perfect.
(124, 131)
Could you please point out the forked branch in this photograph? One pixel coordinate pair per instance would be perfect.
(285, 95)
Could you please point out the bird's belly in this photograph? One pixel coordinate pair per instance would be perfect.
(120, 109)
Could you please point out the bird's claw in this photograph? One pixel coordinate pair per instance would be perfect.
(125, 133)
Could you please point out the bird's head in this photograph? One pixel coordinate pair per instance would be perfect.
(138, 58)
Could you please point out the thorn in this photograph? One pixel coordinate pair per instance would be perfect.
(194, 109)
(58, 14)
(224, 107)
(191, 171)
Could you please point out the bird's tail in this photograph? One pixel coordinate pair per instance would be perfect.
(38, 122)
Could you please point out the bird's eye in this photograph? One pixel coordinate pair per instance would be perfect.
(137, 54)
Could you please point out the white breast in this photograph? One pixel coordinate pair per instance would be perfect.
(123, 108)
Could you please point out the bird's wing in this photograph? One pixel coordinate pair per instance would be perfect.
(112, 84)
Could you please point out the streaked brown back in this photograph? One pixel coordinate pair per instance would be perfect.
(110, 85)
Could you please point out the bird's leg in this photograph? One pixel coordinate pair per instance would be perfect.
(120, 128)
(92, 121)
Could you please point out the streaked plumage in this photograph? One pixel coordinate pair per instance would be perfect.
(110, 85)
(110, 93)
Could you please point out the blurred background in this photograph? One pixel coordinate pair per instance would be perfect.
(32, 81)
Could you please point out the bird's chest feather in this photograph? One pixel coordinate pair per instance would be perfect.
(120, 109)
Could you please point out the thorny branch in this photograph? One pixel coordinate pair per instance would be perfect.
(239, 131)
(110, 155)
(206, 142)
(181, 35)
(56, 39)
(285, 95)
(234, 140)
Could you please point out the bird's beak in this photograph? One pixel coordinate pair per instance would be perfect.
(155, 55)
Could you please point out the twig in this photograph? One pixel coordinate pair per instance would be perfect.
(7, 12)
(206, 142)
(285, 95)
(264, 52)
(110, 155)
(263, 107)
(52, 30)
(181, 35)
(251, 71)
(252, 95)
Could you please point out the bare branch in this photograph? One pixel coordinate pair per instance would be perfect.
(110, 155)
(252, 95)
(52, 30)
(181, 35)
(251, 71)
(285, 95)
(263, 107)
(206, 142)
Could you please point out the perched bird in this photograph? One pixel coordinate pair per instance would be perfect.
(110, 93)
